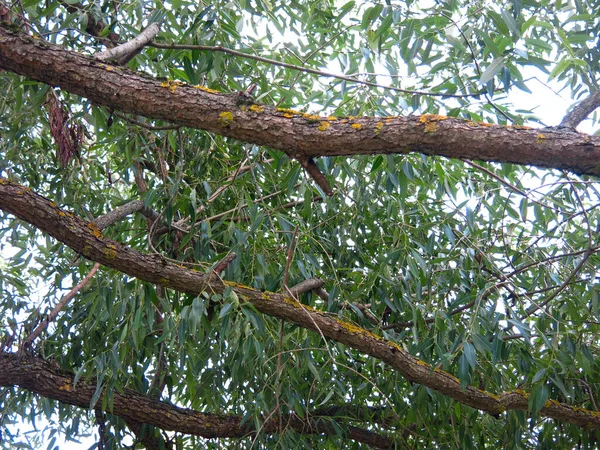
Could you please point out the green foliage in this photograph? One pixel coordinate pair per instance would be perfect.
(452, 260)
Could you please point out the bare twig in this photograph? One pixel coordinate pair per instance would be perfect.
(129, 49)
(145, 125)
(61, 304)
(274, 62)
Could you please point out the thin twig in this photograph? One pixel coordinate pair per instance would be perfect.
(61, 304)
(274, 62)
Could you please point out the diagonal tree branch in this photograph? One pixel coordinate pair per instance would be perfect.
(300, 135)
(49, 381)
(580, 111)
(85, 238)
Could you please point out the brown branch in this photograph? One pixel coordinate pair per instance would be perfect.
(222, 265)
(43, 378)
(580, 111)
(313, 170)
(85, 238)
(305, 286)
(60, 305)
(123, 211)
(293, 132)
(94, 26)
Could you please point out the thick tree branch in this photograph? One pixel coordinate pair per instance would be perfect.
(580, 111)
(85, 238)
(49, 381)
(297, 134)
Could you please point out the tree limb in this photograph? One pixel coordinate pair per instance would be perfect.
(49, 381)
(297, 134)
(86, 239)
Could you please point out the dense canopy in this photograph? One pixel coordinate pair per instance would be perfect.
(311, 224)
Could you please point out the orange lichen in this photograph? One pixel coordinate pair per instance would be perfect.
(65, 387)
(323, 126)
(522, 127)
(356, 126)
(225, 118)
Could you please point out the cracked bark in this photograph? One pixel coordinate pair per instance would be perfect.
(299, 135)
(86, 239)
(49, 381)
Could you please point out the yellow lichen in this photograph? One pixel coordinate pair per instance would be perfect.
(65, 387)
(311, 117)
(225, 118)
(163, 281)
(323, 126)
(95, 230)
(109, 68)
(289, 111)
(378, 127)
(540, 138)
(288, 115)
(110, 251)
(172, 85)
(62, 214)
(257, 108)
(332, 118)
(205, 89)
(429, 121)
(356, 126)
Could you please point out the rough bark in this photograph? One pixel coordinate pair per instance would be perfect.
(49, 381)
(86, 239)
(301, 136)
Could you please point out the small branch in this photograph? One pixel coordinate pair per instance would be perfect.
(305, 286)
(129, 49)
(288, 261)
(44, 324)
(121, 212)
(222, 265)
(580, 111)
(311, 168)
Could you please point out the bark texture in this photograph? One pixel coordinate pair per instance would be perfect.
(86, 239)
(49, 381)
(301, 136)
